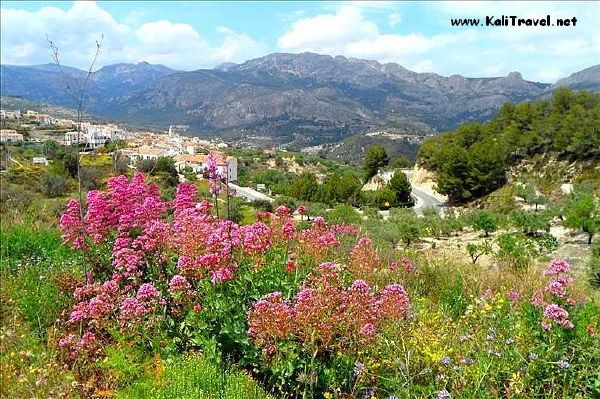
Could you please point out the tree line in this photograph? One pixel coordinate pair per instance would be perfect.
(472, 161)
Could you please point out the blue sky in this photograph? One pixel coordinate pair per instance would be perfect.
(417, 35)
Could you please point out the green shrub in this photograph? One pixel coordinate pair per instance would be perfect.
(191, 377)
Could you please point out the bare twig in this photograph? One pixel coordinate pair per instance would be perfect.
(77, 90)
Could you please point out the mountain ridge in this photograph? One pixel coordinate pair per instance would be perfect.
(306, 98)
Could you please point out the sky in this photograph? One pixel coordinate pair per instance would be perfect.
(193, 35)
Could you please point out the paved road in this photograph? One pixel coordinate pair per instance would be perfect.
(422, 199)
(249, 193)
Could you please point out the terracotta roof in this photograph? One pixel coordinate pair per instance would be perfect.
(202, 158)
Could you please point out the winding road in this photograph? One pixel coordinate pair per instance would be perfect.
(422, 199)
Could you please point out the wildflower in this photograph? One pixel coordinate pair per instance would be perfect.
(283, 211)
(557, 289)
(563, 364)
(509, 341)
(468, 361)
(443, 394)
(178, 284)
(533, 356)
(290, 266)
(368, 330)
(558, 315)
(408, 266)
(301, 210)
(358, 369)
(537, 299)
(197, 308)
(513, 296)
(494, 352)
(319, 221)
(223, 274)
(556, 267)
(445, 360)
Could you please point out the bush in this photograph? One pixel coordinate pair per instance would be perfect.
(515, 250)
(262, 205)
(53, 186)
(193, 376)
(486, 222)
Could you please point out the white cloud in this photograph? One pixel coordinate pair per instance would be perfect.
(394, 19)
(326, 32)
(479, 51)
(74, 31)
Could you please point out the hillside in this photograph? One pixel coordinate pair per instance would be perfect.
(305, 99)
(473, 160)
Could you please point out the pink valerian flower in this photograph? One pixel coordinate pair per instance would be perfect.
(263, 216)
(283, 211)
(197, 308)
(393, 266)
(71, 225)
(128, 261)
(223, 274)
(156, 236)
(204, 207)
(556, 267)
(326, 314)
(185, 196)
(363, 258)
(100, 217)
(179, 285)
(319, 222)
(393, 303)
(408, 265)
(289, 230)
(537, 299)
(147, 292)
(513, 296)
(87, 345)
(290, 266)
(270, 320)
(96, 308)
(348, 229)
(557, 315)
(557, 289)
(213, 175)
(256, 238)
(301, 210)
(368, 330)
(147, 301)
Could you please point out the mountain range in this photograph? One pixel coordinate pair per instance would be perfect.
(308, 99)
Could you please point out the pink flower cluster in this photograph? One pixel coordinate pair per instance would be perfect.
(319, 241)
(557, 291)
(326, 315)
(407, 265)
(555, 314)
(148, 235)
(76, 347)
(363, 258)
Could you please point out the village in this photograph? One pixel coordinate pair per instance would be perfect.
(189, 153)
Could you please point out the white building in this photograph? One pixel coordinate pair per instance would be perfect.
(94, 136)
(143, 153)
(6, 114)
(199, 163)
(41, 161)
(9, 135)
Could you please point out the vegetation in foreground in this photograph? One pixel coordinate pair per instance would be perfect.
(154, 290)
